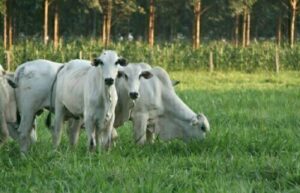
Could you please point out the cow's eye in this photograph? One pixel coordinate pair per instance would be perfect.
(126, 77)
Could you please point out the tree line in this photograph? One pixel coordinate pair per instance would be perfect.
(237, 21)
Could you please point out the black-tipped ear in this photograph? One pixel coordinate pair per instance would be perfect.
(175, 82)
(12, 83)
(97, 62)
(146, 74)
(122, 62)
(120, 74)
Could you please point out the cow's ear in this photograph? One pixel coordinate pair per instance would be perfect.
(122, 62)
(146, 74)
(97, 62)
(120, 74)
(195, 121)
(11, 83)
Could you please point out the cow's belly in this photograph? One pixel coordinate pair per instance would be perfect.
(74, 105)
(72, 95)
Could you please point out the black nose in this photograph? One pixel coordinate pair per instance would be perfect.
(134, 95)
(109, 81)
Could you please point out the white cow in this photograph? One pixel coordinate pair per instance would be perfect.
(8, 107)
(34, 80)
(154, 107)
(89, 92)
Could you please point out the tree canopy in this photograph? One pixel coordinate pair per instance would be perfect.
(173, 19)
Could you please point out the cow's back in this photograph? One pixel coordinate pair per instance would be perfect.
(154, 92)
(34, 80)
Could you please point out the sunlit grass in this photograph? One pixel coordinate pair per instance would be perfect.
(254, 146)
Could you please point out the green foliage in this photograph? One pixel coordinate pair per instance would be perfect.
(172, 18)
(253, 146)
(2, 6)
(172, 56)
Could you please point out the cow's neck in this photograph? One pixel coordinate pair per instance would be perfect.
(174, 106)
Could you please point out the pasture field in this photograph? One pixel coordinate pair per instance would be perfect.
(254, 146)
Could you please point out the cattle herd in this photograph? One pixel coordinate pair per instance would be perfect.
(100, 96)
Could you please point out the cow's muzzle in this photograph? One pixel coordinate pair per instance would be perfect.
(109, 81)
(133, 95)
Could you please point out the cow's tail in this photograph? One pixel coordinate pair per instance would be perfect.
(51, 108)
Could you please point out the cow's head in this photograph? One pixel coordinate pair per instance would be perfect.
(132, 75)
(171, 127)
(200, 126)
(109, 61)
(197, 128)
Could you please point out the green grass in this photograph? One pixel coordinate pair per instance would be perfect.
(254, 146)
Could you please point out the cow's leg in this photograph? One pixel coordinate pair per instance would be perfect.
(25, 130)
(14, 133)
(33, 134)
(149, 136)
(139, 128)
(90, 130)
(4, 131)
(74, 130)
(114, 136)
(13, 130)
(104, 134)
(59, 119)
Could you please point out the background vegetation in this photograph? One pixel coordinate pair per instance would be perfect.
(246, 35)
(85, 18)
(172, 56)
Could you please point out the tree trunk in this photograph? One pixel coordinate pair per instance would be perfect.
(248, 29)
(5, 26)
(279, 34)
(236, 30)
(151, 24)
(108, 24)
(104, 25)
(197, 17)
(10, 28)
(56, 18)
(244, 28)
(293, 21)
(46, 6)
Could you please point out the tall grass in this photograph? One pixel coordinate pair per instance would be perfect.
(172, 56)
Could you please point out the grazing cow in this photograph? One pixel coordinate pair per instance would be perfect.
(34, 80)
(89, 92)
(154, 107)
(8, 107)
